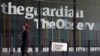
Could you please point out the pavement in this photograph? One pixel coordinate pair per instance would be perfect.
(54, 54)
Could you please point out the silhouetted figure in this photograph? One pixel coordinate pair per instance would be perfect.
(25, 35)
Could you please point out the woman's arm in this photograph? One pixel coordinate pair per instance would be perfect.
(20, 36)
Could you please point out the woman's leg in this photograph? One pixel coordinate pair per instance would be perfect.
(22, 53)
(22, 49)
(27, 54)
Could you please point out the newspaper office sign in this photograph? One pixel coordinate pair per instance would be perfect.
(31, 12)
(57, 46)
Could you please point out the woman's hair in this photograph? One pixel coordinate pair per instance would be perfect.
(26, 26)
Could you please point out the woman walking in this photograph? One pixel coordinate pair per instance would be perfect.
(25, 35)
